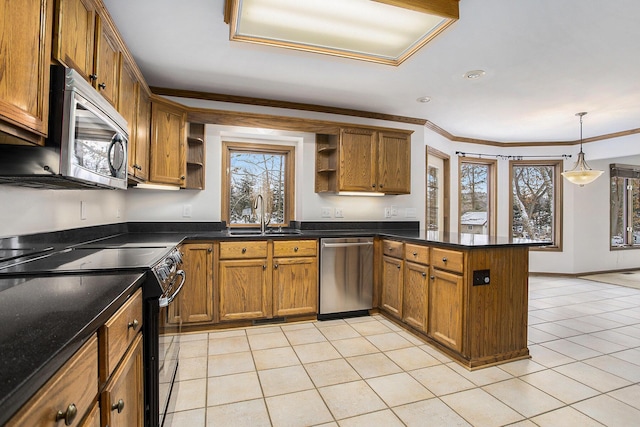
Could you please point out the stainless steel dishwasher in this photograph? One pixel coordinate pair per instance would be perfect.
(346, 277)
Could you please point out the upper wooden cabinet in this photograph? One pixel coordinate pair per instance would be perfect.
(168, 138)
(74, 35)
(107, 62)
(364, 160)
(25, 43)
(139, 148)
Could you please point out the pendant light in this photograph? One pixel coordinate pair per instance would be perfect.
(581, 173)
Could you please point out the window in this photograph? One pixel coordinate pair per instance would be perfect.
(250, 170)
(437, 191)
(477, 196)
(625, 205)
(432, 198)
(536, 201)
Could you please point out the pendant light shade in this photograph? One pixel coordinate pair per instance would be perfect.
(581, 173)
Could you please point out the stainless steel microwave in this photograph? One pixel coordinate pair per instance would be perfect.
(86, 145)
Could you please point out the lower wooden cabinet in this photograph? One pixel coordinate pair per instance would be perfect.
(122, 400)
(195, 301)
(392, 285)
(416, 295)
(93, 418)
(445, 308)
(244, 290)
(295, 286)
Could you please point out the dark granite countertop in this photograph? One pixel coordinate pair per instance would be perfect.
(45, 320)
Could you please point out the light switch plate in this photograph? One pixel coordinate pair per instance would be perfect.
(394, 211)
(339, 213)
(83, 209)
(325, 212)
(187, 211)
(387, 212)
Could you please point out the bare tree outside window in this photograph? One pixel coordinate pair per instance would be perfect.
(251, 171)
(432, 198)
(536, 200)
(625, 205)
(474, 197)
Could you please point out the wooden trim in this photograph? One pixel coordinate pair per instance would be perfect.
(263, 102)
(289, 195)
(228, 8)
(492, 201)
(557, 200)
(444, 8)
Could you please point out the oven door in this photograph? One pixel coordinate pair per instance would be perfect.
(170, 327)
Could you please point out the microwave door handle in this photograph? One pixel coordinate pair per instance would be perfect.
(164, 301)
(117, 138)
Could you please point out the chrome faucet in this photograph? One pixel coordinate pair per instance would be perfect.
(263, 225)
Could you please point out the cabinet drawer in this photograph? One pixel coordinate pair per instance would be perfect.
(392, 248)
(242, 250)
(416, 253)
(289, 248)
(447, 260)
(74, 386)
(118, 332)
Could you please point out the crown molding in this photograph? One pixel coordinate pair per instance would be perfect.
(256, 119)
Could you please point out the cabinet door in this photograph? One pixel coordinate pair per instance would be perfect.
(25, 29)
(167, 151)
(128, 107)
(107, 63)
(243, 289)
(195, 301)
(122, 403)
(394, 163)
(143, 138)
(392, 284)
(357, 160)
(295, 286)
(445, 308)
(74, 35)
(415, 298)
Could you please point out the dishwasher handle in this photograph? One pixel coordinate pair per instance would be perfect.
(345, 245)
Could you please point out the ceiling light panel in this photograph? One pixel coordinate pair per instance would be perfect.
(360, 29)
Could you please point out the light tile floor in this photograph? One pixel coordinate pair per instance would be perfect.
(584, 338)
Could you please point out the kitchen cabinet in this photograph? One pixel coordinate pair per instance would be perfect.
(128, 96)
(106, 62)
(122, 400)
(139, 147)
(295, 277)
(416, 286)
(392, 278)
(364, 160)
(267, 278)
(194, 303)
(24, 63)
(168, 138)
(195, 156)
(74, 35)
(67, 396)
(445, 308)
(244, 286)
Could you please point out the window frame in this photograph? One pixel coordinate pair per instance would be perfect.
(626, 172)
(444, 187)
(557, 199)
(229, 147)
(492, 197)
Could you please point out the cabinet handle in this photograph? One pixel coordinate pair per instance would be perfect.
(118, 406)
(133, 324)
(432, 277)
(381, 186)
(93, 77)
(444, 259)
(415, 254)
(264, 267)
(183, 177)
(102, 85)
(295, 249)
(209, 250)
(373, 185)
(424, 274)
(244, 250)
(398, 266)
(69, 415)
(275, 266)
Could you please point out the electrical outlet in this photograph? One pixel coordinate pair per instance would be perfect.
(325, 212)
(339, 213)
(187, 210)
(387, 212)
(394, 211)
(83, 209)
(118, 213)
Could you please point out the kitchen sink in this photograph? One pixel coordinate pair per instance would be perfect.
(270, 232)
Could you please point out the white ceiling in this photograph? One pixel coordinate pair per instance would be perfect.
(545, 60)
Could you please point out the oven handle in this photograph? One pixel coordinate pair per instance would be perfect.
(164, 301)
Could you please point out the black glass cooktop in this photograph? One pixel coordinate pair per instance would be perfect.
(89, 260)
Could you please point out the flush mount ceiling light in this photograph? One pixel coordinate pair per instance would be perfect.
(474, 74)
(424, 99)
(383, 31)
(581, 173)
